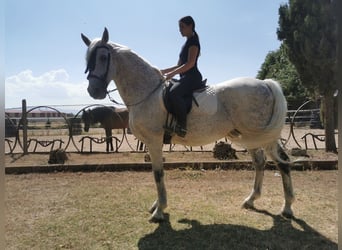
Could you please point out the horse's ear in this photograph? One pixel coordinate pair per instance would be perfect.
(85, 39)
(105, 36)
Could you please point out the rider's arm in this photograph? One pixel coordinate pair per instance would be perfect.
(168, 70)
(192, 56)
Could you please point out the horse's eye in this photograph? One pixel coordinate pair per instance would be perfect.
(103, 58)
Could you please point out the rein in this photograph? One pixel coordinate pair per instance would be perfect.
(112, 99)
(136, 103)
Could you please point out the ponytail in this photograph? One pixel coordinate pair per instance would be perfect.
(196, 35)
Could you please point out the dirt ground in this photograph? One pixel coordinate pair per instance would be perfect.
(41, 159)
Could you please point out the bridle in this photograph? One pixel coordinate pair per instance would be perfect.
(92, 62)
(91, 66)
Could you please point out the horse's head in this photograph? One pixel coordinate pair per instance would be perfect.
(86, 118)
(98, 64)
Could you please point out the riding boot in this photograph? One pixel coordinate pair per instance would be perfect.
(180, 128)
(179, 111)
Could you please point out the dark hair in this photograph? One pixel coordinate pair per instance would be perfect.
(188, 20)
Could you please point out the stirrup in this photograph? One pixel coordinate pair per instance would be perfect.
(180, 131)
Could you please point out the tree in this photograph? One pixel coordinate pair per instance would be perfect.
(277, 66)
(308, 31)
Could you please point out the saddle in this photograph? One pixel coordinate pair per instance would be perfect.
(204, 99)
(188, 99)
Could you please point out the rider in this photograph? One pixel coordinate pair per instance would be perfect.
(190, 77)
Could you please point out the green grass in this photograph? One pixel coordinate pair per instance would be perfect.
(109, 211)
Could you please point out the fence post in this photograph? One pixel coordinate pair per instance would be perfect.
(24, 123)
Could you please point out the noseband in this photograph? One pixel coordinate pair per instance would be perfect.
(92, 63)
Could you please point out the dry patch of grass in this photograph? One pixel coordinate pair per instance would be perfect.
(109, 211)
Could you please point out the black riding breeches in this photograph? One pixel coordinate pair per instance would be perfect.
(179, 92)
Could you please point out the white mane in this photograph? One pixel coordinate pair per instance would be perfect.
(144, 70)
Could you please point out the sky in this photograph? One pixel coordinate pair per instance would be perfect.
(45, 56)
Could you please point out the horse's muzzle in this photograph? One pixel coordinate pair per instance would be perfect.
(97, 93)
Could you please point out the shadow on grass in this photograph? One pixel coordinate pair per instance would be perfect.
(226, 236)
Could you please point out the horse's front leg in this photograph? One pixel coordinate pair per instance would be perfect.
(109, 140)
(157, 167)
(107, 145)
(111, 143)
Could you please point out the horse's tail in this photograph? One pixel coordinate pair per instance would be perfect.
(279, 108)
(267, 136)
(277, 122)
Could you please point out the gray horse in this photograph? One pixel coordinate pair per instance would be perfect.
(248, 111)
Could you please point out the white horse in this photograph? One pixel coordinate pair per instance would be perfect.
(250, 112)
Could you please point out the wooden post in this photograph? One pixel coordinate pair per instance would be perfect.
(24, 123)
(339, 84)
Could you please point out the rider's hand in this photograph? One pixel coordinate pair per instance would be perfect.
(168, 76)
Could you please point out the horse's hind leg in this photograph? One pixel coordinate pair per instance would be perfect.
(111, 143)
(259, 161)
(285, 172)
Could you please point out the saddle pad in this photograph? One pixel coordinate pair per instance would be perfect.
(207, 102)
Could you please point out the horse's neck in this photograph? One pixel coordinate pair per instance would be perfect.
(135, 78)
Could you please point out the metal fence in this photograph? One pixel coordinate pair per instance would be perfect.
(45, 128)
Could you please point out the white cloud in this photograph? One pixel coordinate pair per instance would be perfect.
(51, 88)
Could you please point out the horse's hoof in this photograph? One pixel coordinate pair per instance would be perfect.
(287, 214)
(247, 205)
(157, 216)
(156, 219)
